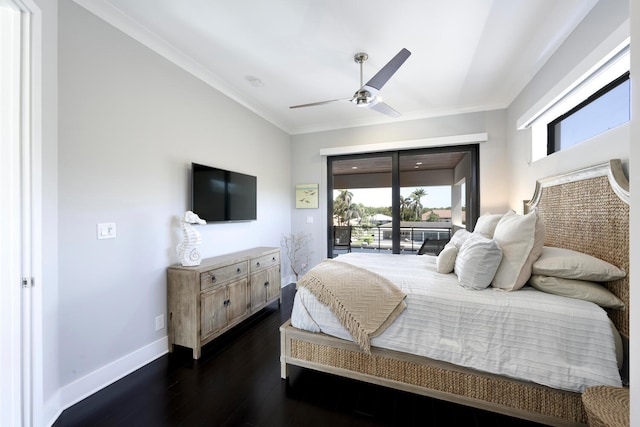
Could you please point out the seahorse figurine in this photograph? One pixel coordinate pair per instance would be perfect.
(187, 250)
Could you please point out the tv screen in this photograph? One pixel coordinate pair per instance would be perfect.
(222, 195)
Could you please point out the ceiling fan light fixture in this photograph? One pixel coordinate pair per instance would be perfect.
(362, 98)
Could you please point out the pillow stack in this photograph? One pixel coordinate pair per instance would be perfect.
(500, 252)
(507, 251)
(573, 274)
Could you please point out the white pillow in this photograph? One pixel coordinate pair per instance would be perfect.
(458, 238)
(446, 260)
(477, 262)
(569, 264)
(487, 223)
(580, 289)
(521, 238)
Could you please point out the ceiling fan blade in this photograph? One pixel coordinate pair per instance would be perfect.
(312, 104)
(383, 108)
(388, 70)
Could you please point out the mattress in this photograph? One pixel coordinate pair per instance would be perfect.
(559, 342)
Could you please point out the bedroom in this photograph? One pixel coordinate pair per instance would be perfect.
(90, 173)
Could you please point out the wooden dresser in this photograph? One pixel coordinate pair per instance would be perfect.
(207, 300)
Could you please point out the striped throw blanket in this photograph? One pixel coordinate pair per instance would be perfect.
(364, 302)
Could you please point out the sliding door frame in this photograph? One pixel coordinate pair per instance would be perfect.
(472, 189)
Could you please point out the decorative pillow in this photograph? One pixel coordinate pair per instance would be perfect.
(446, 259)
(521, 238)
(458, 238)
(571, 264)
(487, 223)
(580, 289)
(477, 262)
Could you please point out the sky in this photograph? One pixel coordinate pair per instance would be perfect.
(437, 197)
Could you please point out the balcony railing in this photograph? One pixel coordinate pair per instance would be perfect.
(378, 238)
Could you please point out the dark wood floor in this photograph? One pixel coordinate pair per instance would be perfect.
(237, 383)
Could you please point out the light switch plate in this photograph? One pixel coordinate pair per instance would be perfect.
(309, 220)
(159, 322)
(107, 230)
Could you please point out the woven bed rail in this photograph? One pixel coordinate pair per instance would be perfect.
(431, 378)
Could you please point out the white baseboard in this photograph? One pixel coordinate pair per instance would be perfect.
(84, 387)
(288, 280)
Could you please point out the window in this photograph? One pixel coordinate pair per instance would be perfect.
(596, 100)
(604, 110)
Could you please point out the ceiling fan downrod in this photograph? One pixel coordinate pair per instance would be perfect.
(361, 97)
(361, 58)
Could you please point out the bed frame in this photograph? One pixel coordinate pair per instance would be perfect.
(587, 211)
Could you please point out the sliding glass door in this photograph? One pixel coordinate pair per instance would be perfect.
(402, 202)
(361, 200)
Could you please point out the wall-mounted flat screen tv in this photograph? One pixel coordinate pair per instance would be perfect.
(222, 195)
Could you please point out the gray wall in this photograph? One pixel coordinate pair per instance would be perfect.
(130, 125)
(45, 354)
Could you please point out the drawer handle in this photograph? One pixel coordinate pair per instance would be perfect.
(227, 302)
(238, 270)
(266, 283)
(258, 264)
(213, 278)
(273, 259)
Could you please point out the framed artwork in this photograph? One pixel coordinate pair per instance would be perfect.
(306, 196)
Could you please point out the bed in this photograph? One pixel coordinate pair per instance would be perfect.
(585, 211)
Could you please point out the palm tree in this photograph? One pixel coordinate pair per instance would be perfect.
(405, 204)
(345, 196)
(342, 208)
(416, 202)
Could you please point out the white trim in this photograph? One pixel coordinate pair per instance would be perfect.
(27, 238)
(11, 354)
(610, 47)
(91, 383)
(35, 174)
(442, 141)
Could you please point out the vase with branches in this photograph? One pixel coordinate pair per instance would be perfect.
(296, 246)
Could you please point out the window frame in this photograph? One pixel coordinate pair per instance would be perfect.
(553, 143)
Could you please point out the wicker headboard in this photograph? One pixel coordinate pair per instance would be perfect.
(588, 211)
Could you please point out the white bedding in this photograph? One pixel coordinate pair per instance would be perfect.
(526, 334)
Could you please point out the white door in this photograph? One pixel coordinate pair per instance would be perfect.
(19, 122)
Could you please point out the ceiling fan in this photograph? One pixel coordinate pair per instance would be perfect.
(367, 95)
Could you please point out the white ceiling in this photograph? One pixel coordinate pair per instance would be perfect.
(467, 55)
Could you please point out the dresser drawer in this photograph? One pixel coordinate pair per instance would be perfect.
(222, 275)
(265, 261)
